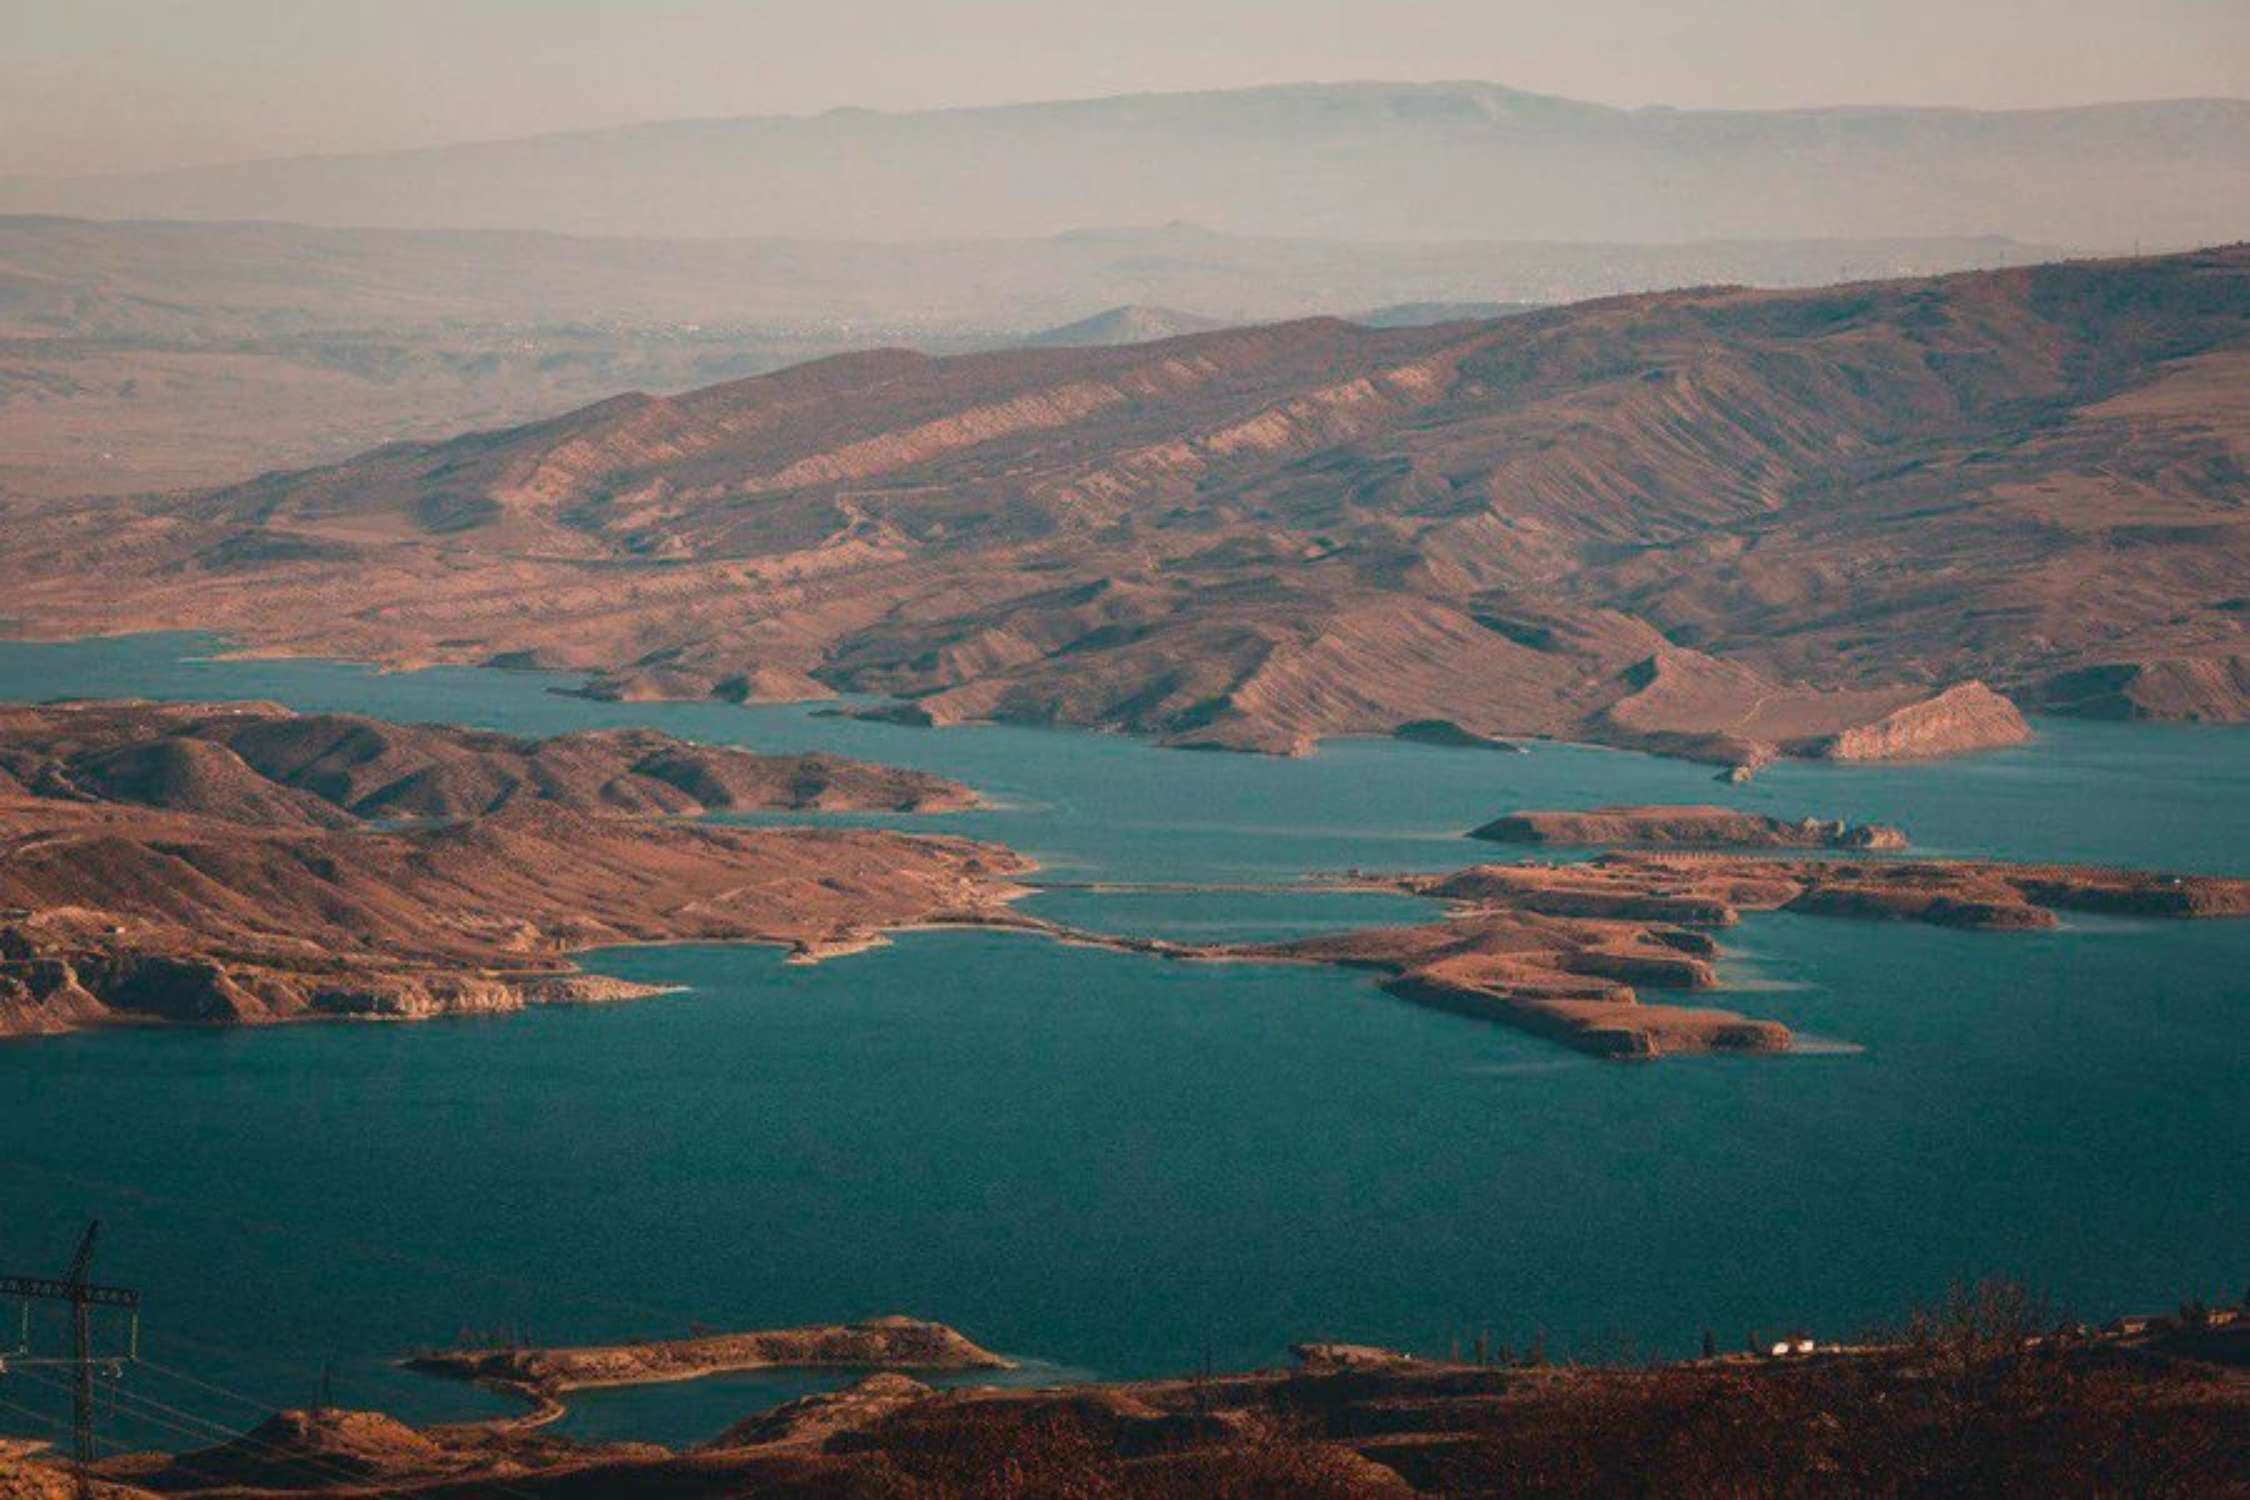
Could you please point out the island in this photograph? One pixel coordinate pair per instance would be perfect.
(1562, 950)
(1556, 949)
(1690, 827)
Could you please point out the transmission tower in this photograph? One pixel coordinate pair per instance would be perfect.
(82, 1296)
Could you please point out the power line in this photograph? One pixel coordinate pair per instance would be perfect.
(82, 1295)
(112, 1444)
(203, 1431)
(545, 1291)
(244, 1438)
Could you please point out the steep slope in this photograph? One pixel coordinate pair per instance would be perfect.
(1719, 523)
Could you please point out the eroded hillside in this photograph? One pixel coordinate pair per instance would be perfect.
(1720, 523)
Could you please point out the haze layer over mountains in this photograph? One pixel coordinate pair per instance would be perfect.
(1358, 161)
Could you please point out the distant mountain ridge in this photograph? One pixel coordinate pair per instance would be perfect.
(1134, 324)
(1428, 161)
(282, 345)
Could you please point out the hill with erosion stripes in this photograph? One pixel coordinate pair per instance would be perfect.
(1721, 523)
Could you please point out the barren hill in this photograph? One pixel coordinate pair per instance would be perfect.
(148, 355)
(259, 763)
(238, 863)
(1720, 523)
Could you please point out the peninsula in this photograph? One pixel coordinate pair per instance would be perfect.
(232, 864)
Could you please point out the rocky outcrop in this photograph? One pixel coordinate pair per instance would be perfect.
(810, 1421)
(1327, 1357)
(1685, 828)
(1968, 716)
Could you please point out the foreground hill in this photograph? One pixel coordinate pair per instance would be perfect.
(1984, 1396)
(1721, 523)
(1434, 161)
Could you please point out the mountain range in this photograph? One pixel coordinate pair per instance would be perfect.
(1722, 523)
(149, 355)
(1360, 160)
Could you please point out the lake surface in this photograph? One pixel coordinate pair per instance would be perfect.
(1108, 1165)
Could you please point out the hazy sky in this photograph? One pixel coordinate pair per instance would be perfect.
(102, 85)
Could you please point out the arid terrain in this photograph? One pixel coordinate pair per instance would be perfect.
(236, 864)
(152, 355)
(240, 863)
(1987, 1394)
(1721, 524)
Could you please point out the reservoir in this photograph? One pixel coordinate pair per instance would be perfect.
(1107, 1165)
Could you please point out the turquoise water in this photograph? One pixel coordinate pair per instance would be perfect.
(1113, 1166)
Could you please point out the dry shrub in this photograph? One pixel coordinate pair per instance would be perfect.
(990, 1450)
(1976, 1401)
